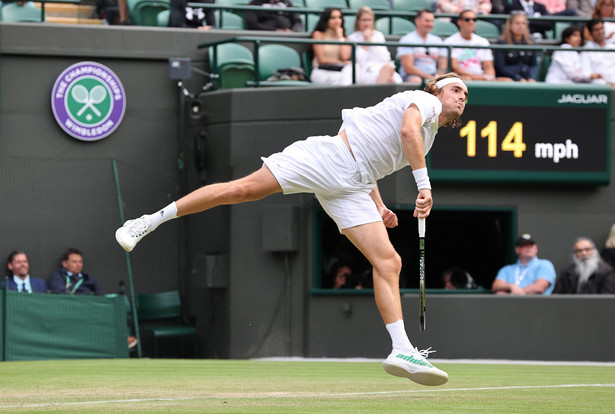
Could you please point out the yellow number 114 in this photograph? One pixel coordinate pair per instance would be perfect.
(512, 142)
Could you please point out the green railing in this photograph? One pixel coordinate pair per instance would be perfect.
(257, 41)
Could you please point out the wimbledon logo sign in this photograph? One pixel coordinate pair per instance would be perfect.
(88, 101)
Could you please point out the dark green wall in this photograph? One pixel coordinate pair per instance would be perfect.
(247, 301)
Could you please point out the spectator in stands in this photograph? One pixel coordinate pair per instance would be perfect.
(569, 66)
(604, 9)
(71, 279)
(587, 273)
(538, 28)
(19, 275)
(374, 62)
(181, 15)
(331, 64)
(280, 21)
(608, 253)
(457, 278)
(529, 276)
(555, 6)
(341, 273)
(457, 6)
(602, 63)
(418, 63)
(519, 65)
(467, 62)
(583, 8)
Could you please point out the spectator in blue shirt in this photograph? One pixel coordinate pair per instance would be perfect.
(529, 276)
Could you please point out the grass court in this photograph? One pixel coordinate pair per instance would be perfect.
(260, 386)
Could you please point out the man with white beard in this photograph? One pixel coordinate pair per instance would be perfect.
(587, 273)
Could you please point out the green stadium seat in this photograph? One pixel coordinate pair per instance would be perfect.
(374, 4)
(487, 29)
(443, 28)
(14, 13)
(395, 26)
(272, 57)
(323, 4)
(234, 63)
(145, 12)
(349, 21)
(411, 5)
(163, 18)
(229, 21)
(164, 311)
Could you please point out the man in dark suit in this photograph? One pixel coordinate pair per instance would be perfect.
(21, 280)
(535, 9)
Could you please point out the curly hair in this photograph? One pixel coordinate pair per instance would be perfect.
(433, 89)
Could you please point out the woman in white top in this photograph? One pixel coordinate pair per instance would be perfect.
(374, 62)
(331, 63)
(569, 66)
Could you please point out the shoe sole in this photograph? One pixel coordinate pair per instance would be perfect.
(119, 237)
(423, 378)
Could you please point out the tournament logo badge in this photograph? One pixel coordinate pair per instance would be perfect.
(88, 101)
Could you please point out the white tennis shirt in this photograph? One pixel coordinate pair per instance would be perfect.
(374, 133)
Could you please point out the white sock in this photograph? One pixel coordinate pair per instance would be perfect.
(398, 335)
(161, 216)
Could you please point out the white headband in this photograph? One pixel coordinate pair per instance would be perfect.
(443, 82)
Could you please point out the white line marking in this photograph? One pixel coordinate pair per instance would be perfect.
(305, 395)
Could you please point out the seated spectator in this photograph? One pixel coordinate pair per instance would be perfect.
(538, 28)
(583, 8)
(608, 253)
(457, 278)
(182, 15)
(374, 62)
(601, 63)
(19, 275)
(587, 273)
(519, 65)
(419, 63)
(331, 64)
(281, 21)
(457, 6)
(467, 62)
(341, 273)
(555, 6)
(604, 9)
(529, 276)
(71, 279)
(569, 66)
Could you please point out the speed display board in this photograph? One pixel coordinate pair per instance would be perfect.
(517, 132)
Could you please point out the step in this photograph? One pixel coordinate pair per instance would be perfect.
(68, 10)
(73, 20)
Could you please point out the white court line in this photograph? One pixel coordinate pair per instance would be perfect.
(306, 395)
(447, 361)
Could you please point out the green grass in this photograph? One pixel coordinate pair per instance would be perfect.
(224, 386)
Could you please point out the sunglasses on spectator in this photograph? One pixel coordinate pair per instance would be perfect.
(469, 19)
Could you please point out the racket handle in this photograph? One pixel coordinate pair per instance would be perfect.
(421, 227)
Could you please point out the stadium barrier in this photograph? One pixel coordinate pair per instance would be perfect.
(47, 326)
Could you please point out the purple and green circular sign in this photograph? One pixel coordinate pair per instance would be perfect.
(88, 101)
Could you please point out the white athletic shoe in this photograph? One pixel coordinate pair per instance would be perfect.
(413, 365)
(132, 232)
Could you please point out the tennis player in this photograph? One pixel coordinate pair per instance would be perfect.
(342, 171)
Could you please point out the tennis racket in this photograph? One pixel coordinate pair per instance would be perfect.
(422, 274)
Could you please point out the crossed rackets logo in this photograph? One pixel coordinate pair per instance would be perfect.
(88, 101)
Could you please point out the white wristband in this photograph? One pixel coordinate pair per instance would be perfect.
(422, 179)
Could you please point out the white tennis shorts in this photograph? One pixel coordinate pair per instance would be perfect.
(323, 165)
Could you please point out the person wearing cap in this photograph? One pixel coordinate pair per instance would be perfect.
(342, 171)
(529, 276)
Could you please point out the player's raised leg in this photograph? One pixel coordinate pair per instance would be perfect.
(405, 360)
(255, 186)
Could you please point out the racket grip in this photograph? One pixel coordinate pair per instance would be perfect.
(421, 227)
